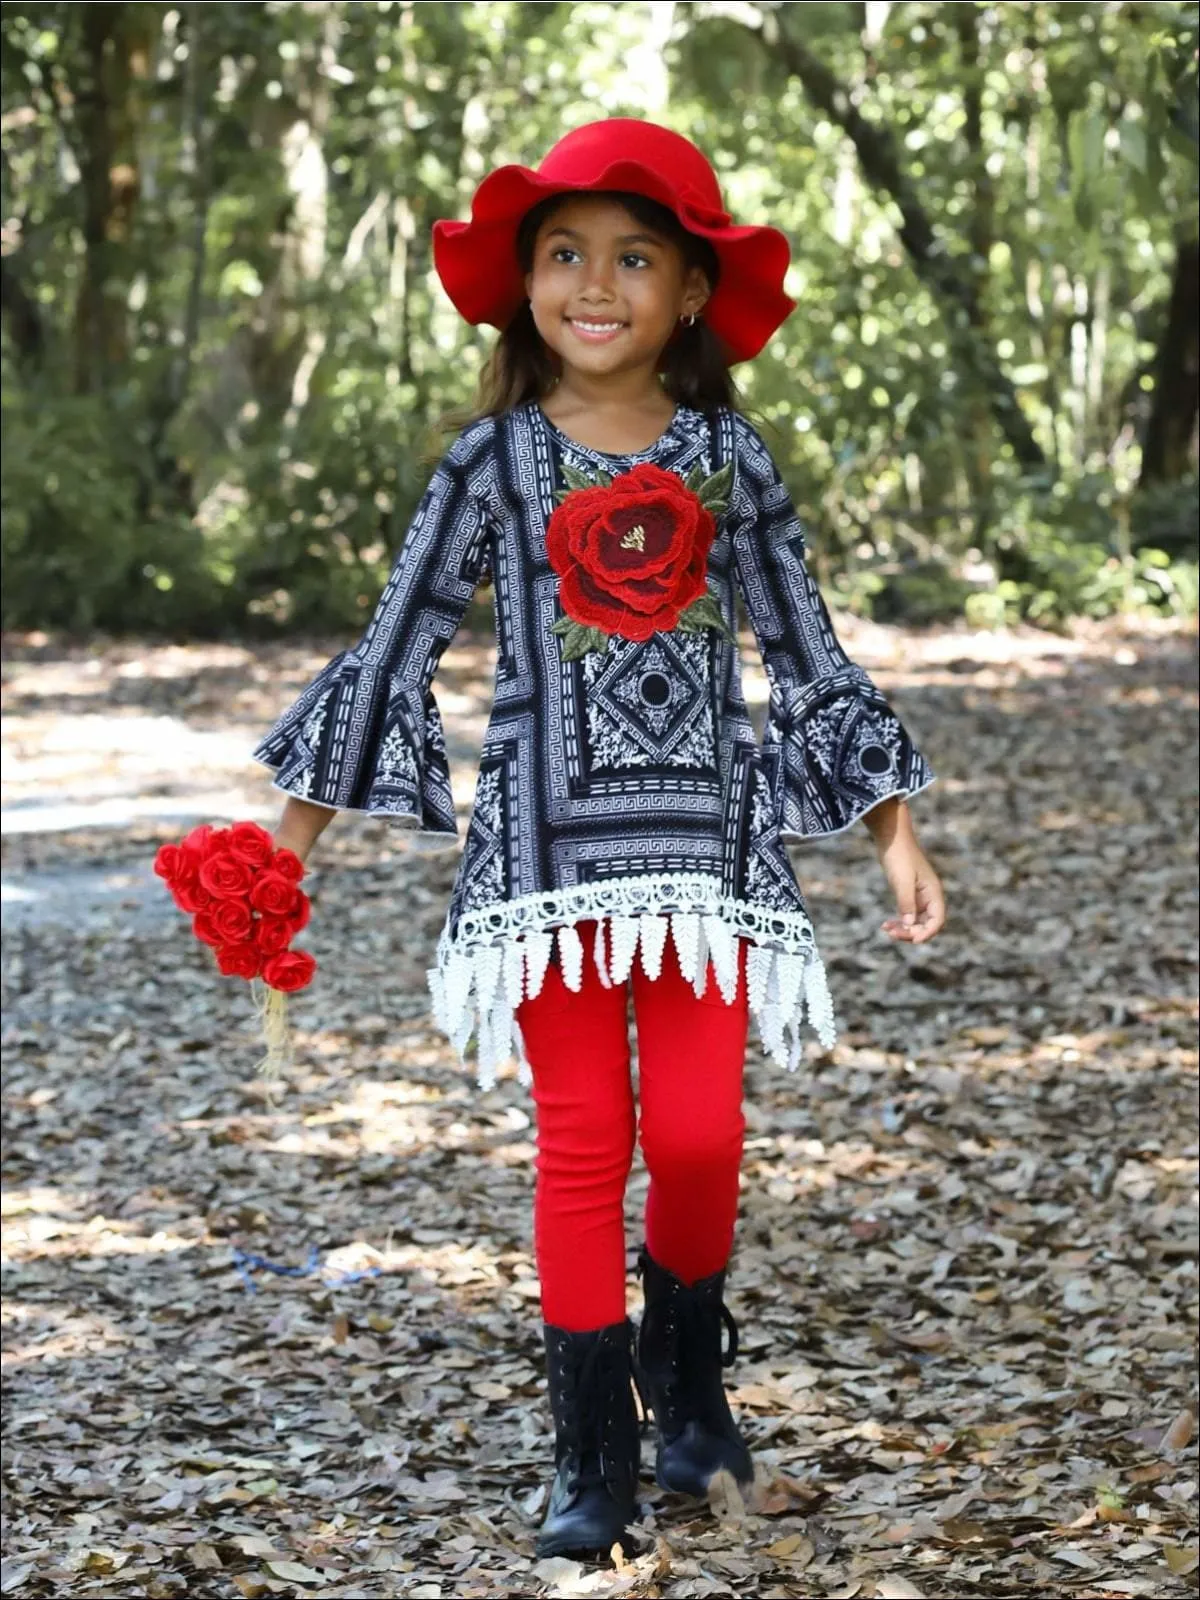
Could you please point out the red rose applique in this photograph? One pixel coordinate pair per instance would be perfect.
(632, 555)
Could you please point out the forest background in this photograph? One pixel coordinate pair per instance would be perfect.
(224, 344)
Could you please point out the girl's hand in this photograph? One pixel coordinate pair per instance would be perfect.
(920, 900)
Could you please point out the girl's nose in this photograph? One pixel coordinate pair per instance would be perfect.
(599, 277)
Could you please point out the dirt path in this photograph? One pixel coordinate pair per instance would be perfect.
(965, 1275)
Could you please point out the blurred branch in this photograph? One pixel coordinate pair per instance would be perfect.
(877, 154)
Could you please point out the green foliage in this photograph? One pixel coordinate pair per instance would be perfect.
(1166, 516)
(926, 592)
(68, 498)
(223, 340)
(1064, 550)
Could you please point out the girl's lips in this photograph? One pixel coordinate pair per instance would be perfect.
(591, 337)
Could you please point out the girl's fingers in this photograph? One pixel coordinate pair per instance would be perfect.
(933, 912)
(921, 912)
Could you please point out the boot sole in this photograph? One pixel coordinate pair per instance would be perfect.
(664, 1482)
(564, 1545)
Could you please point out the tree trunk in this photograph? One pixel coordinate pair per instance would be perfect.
(1167, 446)
(24, 319)
(981, 232)
(880, 163)
(115, 41)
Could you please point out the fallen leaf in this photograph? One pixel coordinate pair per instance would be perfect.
(1179, 1435)
(1076, 1558)
(894, 1587)
(1138, 1551)
(962, 1531)
(795, 1548)
(956, 1504)
(558, 1570)
(252, 1586)
(254, 1544)
(782, 1494)
(295, 1572)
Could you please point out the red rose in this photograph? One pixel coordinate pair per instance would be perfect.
(250, 844)
(233, 920)
(274, 894)
(189, 876)
(299, 915)
(291, 970)
(196, 843)
(170, 863)
(273, 934)
(633, 555)
(288, 864)
(177, 868)
(206, 929)
(239, 960)
(191, 897)
(225, 877)
(180, 863)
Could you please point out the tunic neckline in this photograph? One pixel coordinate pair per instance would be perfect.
(669, 433)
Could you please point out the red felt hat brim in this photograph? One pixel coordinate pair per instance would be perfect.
(477, 260)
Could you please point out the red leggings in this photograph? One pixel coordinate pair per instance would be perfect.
(690, 1057)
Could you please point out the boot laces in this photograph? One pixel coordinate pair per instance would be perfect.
(696, 1324)
(599, 1394)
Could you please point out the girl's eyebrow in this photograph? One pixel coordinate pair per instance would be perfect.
(625, 238)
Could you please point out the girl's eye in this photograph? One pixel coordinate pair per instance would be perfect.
(630, 255)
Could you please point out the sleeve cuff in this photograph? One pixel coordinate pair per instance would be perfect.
(837, 751)
(344, 744)
(789, 836)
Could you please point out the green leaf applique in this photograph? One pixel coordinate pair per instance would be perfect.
(705, 613)
(579, 639)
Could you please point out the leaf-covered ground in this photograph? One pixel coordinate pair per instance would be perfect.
(965, 1271)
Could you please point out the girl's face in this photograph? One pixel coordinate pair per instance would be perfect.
(606, 291)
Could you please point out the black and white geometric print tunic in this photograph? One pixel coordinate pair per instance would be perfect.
(626, 786)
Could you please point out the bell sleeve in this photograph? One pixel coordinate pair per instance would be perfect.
(833, 746)
(366, 734)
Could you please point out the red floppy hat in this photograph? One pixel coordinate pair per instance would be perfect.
(477, 260)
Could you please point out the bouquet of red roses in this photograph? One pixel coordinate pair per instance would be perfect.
(245, 900)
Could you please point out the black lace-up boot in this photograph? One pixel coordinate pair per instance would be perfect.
(597, 1453)
(678, 1365)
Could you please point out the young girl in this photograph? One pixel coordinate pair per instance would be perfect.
(627, 830)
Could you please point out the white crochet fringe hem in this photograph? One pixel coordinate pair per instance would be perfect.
(500, 955)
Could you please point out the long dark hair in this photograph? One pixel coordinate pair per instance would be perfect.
(521, 367)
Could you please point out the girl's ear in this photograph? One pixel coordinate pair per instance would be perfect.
(529, 286)
(697, 291)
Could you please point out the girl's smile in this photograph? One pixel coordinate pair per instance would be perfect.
(592, 332)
